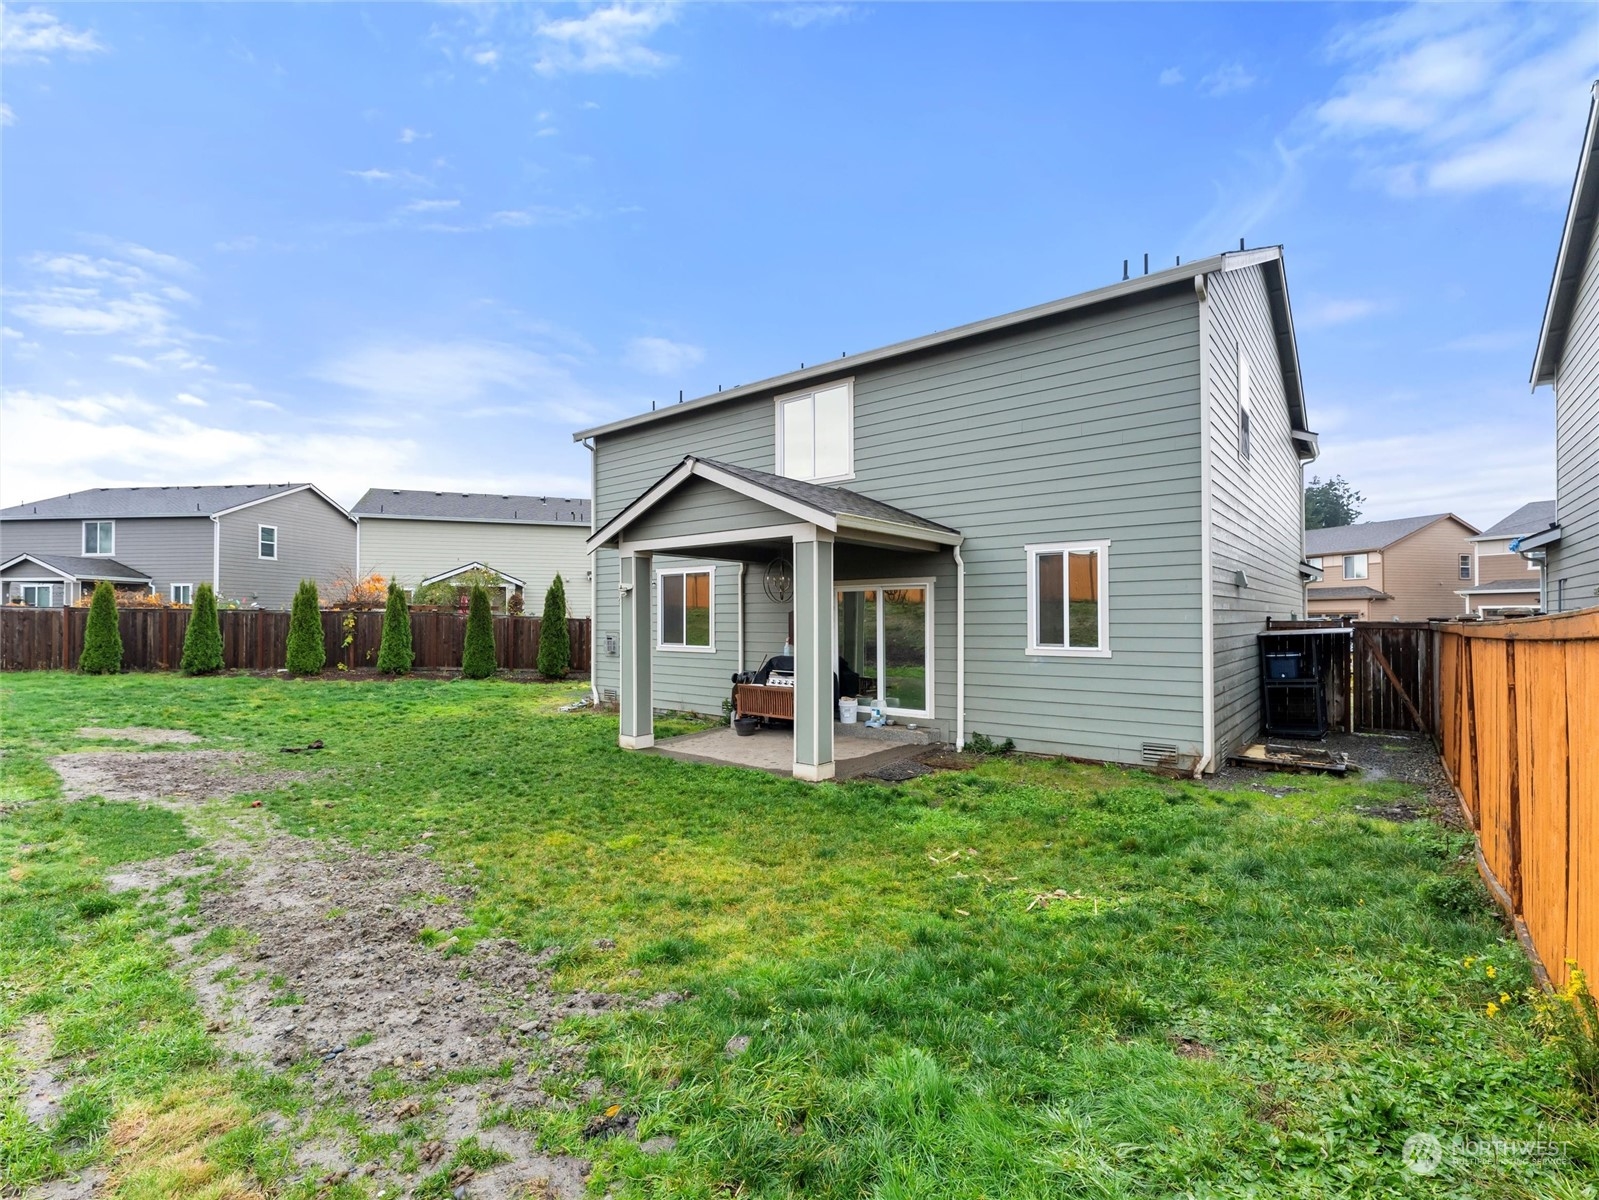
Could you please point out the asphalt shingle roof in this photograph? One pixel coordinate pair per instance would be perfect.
(836, 500)
(1529, 518)
(110, 503)
(1530, 584)
(472, 506)
(1346, 592)
(79, 567)
(1368, 535)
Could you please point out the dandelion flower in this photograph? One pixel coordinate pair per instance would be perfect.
(1504, 997)
(1493, 1009)
(1490, 971)
(1467, 962)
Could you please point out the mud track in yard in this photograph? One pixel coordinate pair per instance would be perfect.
(338, 961)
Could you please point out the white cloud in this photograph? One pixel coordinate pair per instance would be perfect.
(426, 206)
(407, 136)
(7, 116)
(802, 16)
(661, 356)
(134, 361)
(611, 38)
(1466, 97)
(1171, 76)
(189, 400)
(485, 56)
(380, 175)
(1225, 80)
(33, 35)
(1322, 312)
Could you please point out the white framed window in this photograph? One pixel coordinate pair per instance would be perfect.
(99, 538)
(38, 595)
(884, 634)
(267, 541)
(1357, 566)
(686, 609)
(816, 433)
(1465, 566)
(1245, 411)
(1068, 600)
(1315, 562)
(1532, 564)
(183, 593)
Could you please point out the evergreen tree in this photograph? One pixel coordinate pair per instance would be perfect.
(307, 653)
(395, 655)
(555, 643)
(477, 658)
(102, 642)
(202, 641)
(1331, 504)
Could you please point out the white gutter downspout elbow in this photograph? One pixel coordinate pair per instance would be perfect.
(216, 556)
(960, 650)
(594, 580)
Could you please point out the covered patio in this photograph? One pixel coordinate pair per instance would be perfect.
(703, 508)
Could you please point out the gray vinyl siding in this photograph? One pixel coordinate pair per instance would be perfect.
(410, 551)
(1575, 558)
(1079, 428)
(1256, 520)
(315, 541)
(168, 549)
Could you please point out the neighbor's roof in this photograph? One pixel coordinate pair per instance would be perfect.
(1345, 592)
(471, 506)
(74, 566)
(1576, 244)
(109, 503)
(1370, 535)
(1501, 585)
(837, 509)
(1269, 258)
(442, 576)
(1529, 518)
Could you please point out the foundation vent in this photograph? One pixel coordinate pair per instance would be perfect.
(1160, 754)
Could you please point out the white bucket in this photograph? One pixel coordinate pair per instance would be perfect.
(847, 708)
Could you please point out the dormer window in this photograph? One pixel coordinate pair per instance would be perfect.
(816, 433)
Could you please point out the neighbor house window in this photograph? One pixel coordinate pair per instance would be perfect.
(1315, 562)
(268, 541)
(686, 606)
(1356, 567)
(99, 537)
(1243, 405)
(183, 593)
(1067, 606)
(36, 595)
(816, 433)
(1465, 566)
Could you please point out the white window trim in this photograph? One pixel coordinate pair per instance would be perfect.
(49, 592)
(1467, 564)
(1316, 562)
(660, 609)
(1032, 551)
(259, 530)
(1344, 566)
(858, 585)
(84, 541)
(1246, 409)
(777, 418)
(172, 593)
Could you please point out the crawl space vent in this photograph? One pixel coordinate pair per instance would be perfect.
(1160, 754)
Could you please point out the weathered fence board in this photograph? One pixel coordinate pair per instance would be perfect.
(42, 639)
(1403, 696)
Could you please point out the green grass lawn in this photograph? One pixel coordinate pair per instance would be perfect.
(1233, 994)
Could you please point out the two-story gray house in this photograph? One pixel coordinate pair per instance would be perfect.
(1064, 525)
(252, 542)
(1568, 359)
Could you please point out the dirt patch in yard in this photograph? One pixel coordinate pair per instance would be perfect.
(165, 776)
(139, 733)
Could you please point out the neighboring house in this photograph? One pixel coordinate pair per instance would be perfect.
(1066, 525)
(1403, 570)
(1568, 358)
(253, 543)
(418, 537)
(1502, 581)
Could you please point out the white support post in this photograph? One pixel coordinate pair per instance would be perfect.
(815, 658)
(634, 694)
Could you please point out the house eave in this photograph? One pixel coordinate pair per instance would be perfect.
(1576, 244)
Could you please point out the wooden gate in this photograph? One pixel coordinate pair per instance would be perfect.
(1396, 677)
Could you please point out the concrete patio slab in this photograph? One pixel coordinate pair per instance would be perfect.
(772, 750)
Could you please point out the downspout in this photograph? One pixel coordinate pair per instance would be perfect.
(357, 547)
(960, 650)
(594, 579)
(742, 567)
(216, 556)
(1207, 599)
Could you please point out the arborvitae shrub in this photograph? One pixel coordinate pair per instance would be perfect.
(102, 643)
(307, 654)
(202, 642)
(395, 655)
(477, 658)
(555, 643)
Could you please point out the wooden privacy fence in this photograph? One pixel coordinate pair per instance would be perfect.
(1395, 676)
(1520, 731)
(42, 639)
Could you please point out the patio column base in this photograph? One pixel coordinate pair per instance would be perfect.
(808, 773)
(642, 741)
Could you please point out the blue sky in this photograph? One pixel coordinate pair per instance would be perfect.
(417, 245)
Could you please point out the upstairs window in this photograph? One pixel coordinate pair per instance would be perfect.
(1356, 566)
(686, 608)
(1465, 566)
(1067, 609)
(100, 538)
(1315, 562)
(1244, 406)
(267, 546)
(816, 433)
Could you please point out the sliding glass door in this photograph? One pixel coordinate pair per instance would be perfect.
(885, 636)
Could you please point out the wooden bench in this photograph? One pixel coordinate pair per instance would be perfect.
(760, 700)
